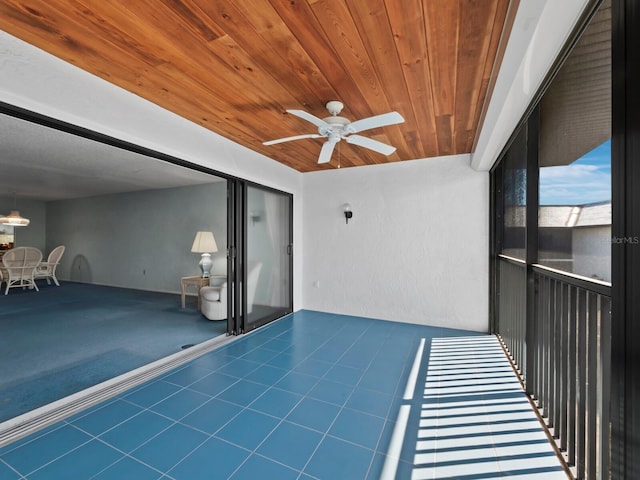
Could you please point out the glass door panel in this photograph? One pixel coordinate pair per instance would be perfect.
(268, 268)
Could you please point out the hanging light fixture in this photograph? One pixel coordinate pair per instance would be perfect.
(14, 219)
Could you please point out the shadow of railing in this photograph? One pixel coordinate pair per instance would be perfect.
(467, 417)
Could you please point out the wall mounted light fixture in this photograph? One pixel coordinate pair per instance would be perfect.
(347, 212)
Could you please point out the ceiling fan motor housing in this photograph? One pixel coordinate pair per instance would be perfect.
(335, 124)
(334, 137)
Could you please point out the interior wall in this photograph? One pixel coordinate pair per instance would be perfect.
(415, 249)
(141, 239)
(34, 234)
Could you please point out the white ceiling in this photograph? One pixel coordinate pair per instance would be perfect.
(41, 163)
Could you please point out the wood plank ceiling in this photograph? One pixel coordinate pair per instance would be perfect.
(235, 67)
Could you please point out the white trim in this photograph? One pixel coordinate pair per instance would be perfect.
(540, 30)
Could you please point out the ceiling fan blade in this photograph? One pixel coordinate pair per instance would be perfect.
(382, 120)
(295, 137)
(318, 122)
(326, 151)
(370, 144)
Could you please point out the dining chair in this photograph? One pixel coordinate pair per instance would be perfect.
(20, 264)
(48, 269)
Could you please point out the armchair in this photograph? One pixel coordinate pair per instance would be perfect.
(213, 302)
(213, 299)
(48, 269)
(19, 265)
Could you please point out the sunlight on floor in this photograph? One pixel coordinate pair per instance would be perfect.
(475, 421)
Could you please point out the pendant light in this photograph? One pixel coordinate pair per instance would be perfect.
(14, 219)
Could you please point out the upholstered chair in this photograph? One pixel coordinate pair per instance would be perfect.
(213, 299)
(213, 302)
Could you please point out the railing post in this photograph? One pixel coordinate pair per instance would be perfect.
(592, 383)
(604, 388)
(564, 362)
(581, 381)
(572, 373)
(533, 129)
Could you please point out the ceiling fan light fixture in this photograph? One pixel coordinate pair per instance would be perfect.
(334, 107)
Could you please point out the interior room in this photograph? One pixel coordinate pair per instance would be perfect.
(373, 176)
(127, 224)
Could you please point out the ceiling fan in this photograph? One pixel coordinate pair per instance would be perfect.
(336, 128)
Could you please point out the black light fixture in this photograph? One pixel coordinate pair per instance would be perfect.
(347, 212)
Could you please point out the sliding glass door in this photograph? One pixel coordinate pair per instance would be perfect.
(269, 253)
(260, 255)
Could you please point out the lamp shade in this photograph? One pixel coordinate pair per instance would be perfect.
(204, 243)
(15, 220)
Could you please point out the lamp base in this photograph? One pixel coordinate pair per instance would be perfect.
(205, 265)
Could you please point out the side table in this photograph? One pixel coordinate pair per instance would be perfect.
(192, 281)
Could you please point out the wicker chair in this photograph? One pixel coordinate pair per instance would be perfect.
(19, 267)
(48, 269)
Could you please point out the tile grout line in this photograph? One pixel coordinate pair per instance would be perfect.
(281, 420)
(325, 434)
(243, 408)
(174, 422)
(302, 470)
(9, 466)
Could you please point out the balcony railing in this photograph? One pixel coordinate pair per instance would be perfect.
(512, 311)
(569, 344)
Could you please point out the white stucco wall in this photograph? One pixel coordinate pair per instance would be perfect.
(416, 249)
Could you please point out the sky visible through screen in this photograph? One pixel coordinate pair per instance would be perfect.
(587, 180)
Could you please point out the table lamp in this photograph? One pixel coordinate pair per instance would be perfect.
(205, 244)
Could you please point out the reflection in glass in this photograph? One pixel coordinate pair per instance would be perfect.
(514, 197)
(574, 217)
(268, 258)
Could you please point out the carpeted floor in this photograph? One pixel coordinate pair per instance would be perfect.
(64, 339)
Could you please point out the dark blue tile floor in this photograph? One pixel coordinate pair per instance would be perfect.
(311, 396)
